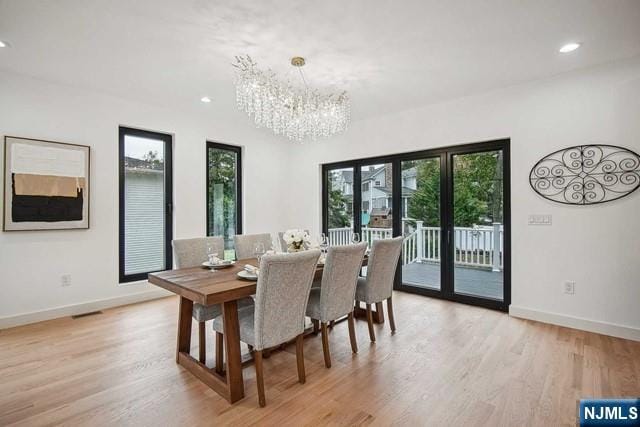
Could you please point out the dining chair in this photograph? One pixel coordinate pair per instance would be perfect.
(283, 244)
(334, 298)
(278, 317)
(245, 244)
(378, 284)
(192, 253)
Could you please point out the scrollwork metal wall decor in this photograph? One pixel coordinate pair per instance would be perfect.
(586, 174)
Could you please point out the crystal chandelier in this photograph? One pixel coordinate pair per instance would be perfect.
(296, 112)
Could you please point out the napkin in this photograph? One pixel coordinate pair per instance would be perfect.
(251, 269)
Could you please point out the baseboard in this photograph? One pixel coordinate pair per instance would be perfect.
(605, 328)
(85, 307)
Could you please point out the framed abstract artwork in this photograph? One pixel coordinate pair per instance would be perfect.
(46, 185)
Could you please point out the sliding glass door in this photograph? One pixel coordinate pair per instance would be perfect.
(421, 223)
(477, 245)
(451, 206)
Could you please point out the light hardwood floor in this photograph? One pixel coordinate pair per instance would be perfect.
(448, 364)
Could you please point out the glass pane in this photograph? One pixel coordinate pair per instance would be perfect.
(421, 223)
(223, 196)
(377, 216)
(144, 205)
(340, 206)
(478, 217)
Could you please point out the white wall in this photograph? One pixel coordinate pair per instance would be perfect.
(598, 247)
(31, 263)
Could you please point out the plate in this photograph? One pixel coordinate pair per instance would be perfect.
(223, 264)
(244, 274)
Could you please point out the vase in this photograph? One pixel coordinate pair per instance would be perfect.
(295, 247)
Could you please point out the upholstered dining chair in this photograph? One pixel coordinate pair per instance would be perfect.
(192, 253)
(334, 298)
(278, 317)
(245, 244)
(378, 284)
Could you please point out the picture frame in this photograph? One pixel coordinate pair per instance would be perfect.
(46, 185)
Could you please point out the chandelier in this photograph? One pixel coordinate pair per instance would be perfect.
(296, 112)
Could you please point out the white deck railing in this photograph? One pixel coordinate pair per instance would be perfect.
(474, 246)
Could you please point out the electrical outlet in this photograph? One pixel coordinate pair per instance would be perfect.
(540, 220)
(65, 280)
(569, 287)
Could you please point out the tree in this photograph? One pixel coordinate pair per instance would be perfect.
(339, 216)
(222, 182)
(424, 205)
(152, 158)
(477, 189)
(477, 183)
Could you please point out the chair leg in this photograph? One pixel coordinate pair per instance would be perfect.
(331, 324)
(202, 344)
(300, 358)
(392, 320)
(219, 352)
(372, 334)
(325, 345)
(379, 312)
(260, 378)
(352, 333)
(316, 326)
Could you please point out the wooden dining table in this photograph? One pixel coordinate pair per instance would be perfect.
(204, 286)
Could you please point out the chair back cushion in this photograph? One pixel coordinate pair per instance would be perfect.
(281, 299)
(193, 252)
(245, 244)
(381, 268)
(339, 279)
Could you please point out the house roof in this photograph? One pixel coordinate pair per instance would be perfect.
(140, 165)
(406, 191)
(411, 172)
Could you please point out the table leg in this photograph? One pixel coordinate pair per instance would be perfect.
(184, 327)
(235, 382)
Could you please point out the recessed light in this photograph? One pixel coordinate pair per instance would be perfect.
(4, 44)
(205, 99)
(569, 47)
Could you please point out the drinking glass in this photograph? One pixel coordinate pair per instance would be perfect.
(259, 250)
(355, 238)
(324, 243)
(211, 255)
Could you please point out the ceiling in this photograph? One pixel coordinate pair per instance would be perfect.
(390, 55)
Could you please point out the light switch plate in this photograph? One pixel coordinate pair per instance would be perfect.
(540, 220)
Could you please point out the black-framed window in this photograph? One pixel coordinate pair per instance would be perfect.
(224, 192)
(146, 197)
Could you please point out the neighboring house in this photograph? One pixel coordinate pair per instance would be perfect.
(144, 215)
(376, 187)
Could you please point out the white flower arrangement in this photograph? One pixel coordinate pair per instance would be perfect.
(296, 240)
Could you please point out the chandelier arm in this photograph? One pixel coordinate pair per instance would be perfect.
(302, 77)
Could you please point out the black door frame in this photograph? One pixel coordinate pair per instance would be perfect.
(168, 202)
(446, 190)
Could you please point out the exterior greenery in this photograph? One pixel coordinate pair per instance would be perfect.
(221, 188)
(339, 212)
(477, 188)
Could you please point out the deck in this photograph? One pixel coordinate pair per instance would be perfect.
(468, 280)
